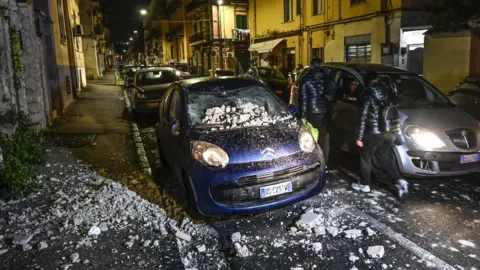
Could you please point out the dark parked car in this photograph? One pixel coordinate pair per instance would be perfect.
(223, 73)
(129, 77)
(467, 95)
(440, 139)
(235, 147)
(149, 87)
(273, 79)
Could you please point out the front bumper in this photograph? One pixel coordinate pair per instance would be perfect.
(413, 163)
(235, 190)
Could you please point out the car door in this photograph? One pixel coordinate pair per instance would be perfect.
(174, 131)
(345, 116)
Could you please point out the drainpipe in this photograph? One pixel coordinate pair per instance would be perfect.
(220, 36)
(254, 17)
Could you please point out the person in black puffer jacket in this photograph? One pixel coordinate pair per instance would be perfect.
(313, 105)
(371, 138)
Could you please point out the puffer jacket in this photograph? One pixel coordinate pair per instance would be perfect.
(311, 99)
(374, 100)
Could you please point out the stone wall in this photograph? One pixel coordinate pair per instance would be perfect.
(33, 94)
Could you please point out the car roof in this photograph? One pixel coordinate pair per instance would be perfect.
(147, 69)
(368, 67)
(212, 84)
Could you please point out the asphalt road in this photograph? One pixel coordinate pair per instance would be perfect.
(436, 226)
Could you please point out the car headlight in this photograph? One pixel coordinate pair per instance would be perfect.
(424, 138)
(209, 154)
(178, 73)
(305, 139)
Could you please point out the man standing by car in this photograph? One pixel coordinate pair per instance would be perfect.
(371, 138)
(313, 105)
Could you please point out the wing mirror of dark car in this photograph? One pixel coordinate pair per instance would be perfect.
(175, 127)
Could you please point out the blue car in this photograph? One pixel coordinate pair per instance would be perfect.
(235, 147)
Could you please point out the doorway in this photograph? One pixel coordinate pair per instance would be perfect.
(415, 58)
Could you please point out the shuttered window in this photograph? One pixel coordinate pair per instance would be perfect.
(287, 10)
(317, 7)
(360, 53)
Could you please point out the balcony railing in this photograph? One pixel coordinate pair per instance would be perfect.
(241, 34)
(200, 36)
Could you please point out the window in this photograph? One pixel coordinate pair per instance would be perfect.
(61, 22)
(357, 2)
(317, 7)
(317, 53)
(360, 53)
(242, 22)
(287, 10)
(461, 98)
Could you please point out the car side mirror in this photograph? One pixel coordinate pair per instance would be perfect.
(292, 108)
(175, 127)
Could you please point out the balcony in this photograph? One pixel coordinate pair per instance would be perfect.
(200, 36)
(194, 4)
(241, 34)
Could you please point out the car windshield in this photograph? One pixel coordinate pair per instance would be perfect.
(269, 73)
(154, 77)
(414, 92)
(243, 107)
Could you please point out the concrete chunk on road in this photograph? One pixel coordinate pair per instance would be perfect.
(352, 234)
(376, 252)
(22, 239)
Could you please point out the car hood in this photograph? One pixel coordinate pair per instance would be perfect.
(440, 120)
(256, 143)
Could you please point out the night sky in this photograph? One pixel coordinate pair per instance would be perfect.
(123, 17)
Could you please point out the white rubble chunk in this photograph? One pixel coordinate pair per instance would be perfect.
(278, 243)
(316, 246)
(201, 248)
(466, 243)
(3, 251)
(42, 245)
(376, 252)
(320, 230)
(353, 258)
(242, 251)
(86, 261)
(333, 231)
(362, 224)
(21, 239)
(352, 234)
(77, 221)
(156, 243)
(183, 236)
(146, 243)
(128, 244)
(94, 231)
(384, 266)
(307, 220)
(75, 257)
(26, 247)
(236, 237)
(370, 232)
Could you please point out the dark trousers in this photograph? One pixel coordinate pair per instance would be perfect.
(320, 122)
(377, 156)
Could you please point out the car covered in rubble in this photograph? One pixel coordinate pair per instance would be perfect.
(235, 147)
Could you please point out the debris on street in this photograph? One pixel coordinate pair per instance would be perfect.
(376, 252)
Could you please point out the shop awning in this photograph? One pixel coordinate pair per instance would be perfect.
(265, 47)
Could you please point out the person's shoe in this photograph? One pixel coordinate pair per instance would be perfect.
(402, 187)
(362, 188)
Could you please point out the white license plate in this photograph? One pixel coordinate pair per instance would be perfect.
(277, 189)
(469, 158)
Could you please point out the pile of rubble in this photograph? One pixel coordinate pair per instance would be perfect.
(235, 115)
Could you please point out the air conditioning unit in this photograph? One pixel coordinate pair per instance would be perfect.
(77, 30)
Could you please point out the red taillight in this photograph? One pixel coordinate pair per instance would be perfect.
(279, 92)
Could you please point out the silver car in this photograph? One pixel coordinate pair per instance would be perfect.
(441, 139)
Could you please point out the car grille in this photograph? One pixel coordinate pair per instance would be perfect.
(246, 191)
(463, 138)
(453, 167)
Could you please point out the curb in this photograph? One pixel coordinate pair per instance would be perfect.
(139, 148)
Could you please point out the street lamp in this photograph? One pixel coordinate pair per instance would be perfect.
(143, 12)
(135, 31)
(131, 39)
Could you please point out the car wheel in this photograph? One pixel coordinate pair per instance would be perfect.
(192, 207)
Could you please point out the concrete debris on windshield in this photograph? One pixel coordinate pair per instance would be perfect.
(240, 115)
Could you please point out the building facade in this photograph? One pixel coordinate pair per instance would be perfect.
(290, 32)
(23, 80)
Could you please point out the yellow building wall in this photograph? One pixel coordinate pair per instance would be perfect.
(227, 21)
(61, 50)
(445, 75)
(269, 18)
(73, 10)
